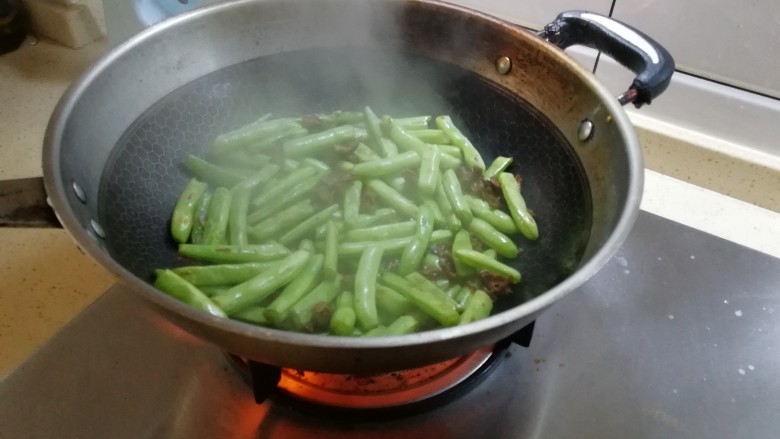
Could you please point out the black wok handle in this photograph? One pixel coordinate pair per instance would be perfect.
(23, 203)
(652, 63)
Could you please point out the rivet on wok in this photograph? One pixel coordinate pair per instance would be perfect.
(97, 228)
(503, 65)
(79, 192)
(585, 133)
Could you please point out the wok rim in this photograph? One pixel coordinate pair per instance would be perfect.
(56, 190)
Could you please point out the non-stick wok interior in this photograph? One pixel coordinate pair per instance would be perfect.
(144, 176)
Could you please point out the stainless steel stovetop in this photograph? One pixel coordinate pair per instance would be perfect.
(678, 337)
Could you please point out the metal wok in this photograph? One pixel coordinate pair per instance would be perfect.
(115, 142)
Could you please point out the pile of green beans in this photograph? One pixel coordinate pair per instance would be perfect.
(347, 224)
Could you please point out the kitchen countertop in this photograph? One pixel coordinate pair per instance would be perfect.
(49, 281)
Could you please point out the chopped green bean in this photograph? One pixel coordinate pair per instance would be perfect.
(402, 325)
(374, 130)
(478, 307)
(393, 246)
(254, 315)
(184, 213)
(352, 202)
(342, 322)
(302, 313)
(308, 225)
(431, 136)
(278, 309)
(365, 288)
(170, 283)
(499, 165)
(250, 133)
(462, 241)
(414, 123)
(365, 153)
(393, 198)
(223, 274)
(262, 176)
(381, 233)
(387, 166)
(443, 311)
(523, 219)
(319, 142)
(273, 141)
(404, 139)
(227, 254)
(493, 238)
(455, 196)
(218, 215)
(462, 298)
(239, 205)
(282, 188)
(450, 150)
(495, 217)
(482, 262)
(298, 192)
(470, 153)
(380, 216)
(331, 250)
(284, 220)
(428, 177)
(389, 148)
(413, 254)
(211, 173)
(255, 290)
(201, 217)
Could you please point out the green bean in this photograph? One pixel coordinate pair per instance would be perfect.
(482, 262)
(237, 220)
(493, 238)
(442, 283)
(306, 244)
(253, 291)
(450, 150)
(413, 254)
(452, 221)
(462, 241)
(201, 217)
(441, 310)
(365, 154)
(342, 117)
(290, 164)
(284, 220)
(212, 291)
(393, 198)
(365, 287)
(272, 141)
(431, 136)
(227, 254)
(514, 200)
(392, 302)
(478, 306)
(260, 177)
(241, 158)
(319, 142)
(455, 196)
(424, 284)
(389, 148)
(293, 196)
(428, 177)
(373, 129)
(450, 162)
(211, 173)
(352, 202)
(381, 233)
(393, 246)
(345, 166)
(281, 189)
(254, 315)
(470, 154)
(414, 123)
(173, 285)
(319, 165)
(183, 217)
(378, 217)
(302, 313)
(379, 331)
(490, 253)
(342, 322)
(404, 139)
(223, 274)
(495, 217)
(322, 230)
(387, 166)
(431, 262)
(250, 133)
(308, 225)
(499, 165)
(331, 251)
(453, 291)
(218, 215)
(398, 183)
(438, 217)
(402, 325)
(278, 309)
(462, 298)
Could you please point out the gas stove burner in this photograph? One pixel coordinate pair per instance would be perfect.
(418, 388)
